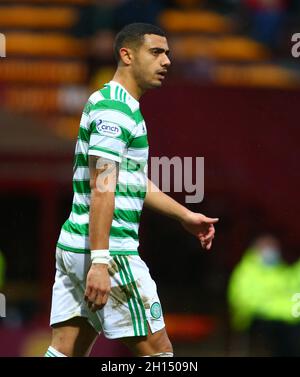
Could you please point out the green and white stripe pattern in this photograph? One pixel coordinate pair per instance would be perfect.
(135, 303)
(52, 352)
(49, 354)
(113, 127)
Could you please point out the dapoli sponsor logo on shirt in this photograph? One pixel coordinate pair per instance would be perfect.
(106, 128)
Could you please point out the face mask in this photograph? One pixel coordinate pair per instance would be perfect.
(270, 256)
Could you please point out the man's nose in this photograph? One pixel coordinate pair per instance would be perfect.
(166, 61)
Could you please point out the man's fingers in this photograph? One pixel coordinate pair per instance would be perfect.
(100, 301)
(211, 233)
(96, 300)
(206, 242)
(91, 297)
(97, 304)
(87, 293)
(211, 220)
(209, 239)
(208, 246)
(95, 307)
(207, 234)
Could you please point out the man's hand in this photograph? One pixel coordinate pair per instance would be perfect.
(97, 286)
(200, 226)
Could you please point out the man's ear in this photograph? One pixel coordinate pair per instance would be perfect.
(126, 55)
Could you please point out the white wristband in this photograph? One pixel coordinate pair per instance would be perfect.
(100, 256)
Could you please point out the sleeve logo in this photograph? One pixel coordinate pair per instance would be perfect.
(108, 128)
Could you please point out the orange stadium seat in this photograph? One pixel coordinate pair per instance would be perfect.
(31, 99)
(189, 327)
(37, 17)
(239, 48)
(48, 44)
(75, 2)
(232, 48)
(45, 71)
(256, 75)
(45, 100)
(195, 21)
(65, 126)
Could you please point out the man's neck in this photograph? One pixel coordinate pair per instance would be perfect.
(128, 82)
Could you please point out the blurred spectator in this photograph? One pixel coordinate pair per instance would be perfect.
(99, 15)
(267, 19)
(187, 3)
(110, 16)
(260, 294)
(97, 22)
(102, 24)
(222, 6)
(138, 11)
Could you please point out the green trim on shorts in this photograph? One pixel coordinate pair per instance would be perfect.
(138, 297)
(123, 252)
(128, 297)
(132, 296)
(138, 303)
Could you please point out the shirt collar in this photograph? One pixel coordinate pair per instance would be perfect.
(130, 101)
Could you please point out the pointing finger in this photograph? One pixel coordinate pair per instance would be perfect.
(210, 220)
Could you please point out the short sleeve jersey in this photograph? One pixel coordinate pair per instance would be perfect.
(112, 127)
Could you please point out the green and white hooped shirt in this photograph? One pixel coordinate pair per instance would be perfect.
(113, 127)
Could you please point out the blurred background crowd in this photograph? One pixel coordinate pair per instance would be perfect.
(231, 96)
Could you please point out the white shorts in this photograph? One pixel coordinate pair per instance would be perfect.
(132, 304)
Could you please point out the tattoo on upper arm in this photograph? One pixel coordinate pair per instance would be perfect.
(105, 163)
(104, 173)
